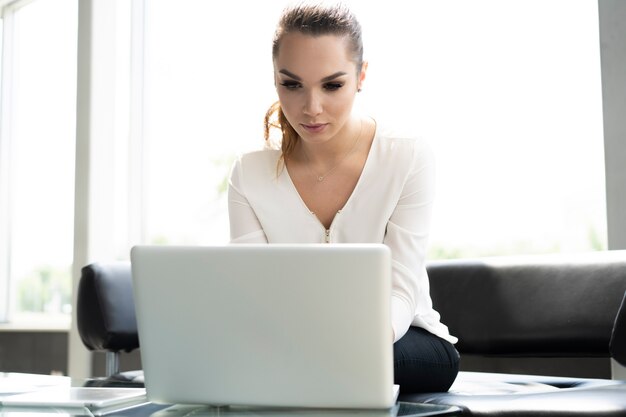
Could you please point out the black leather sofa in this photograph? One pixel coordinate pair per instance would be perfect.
(540, 306)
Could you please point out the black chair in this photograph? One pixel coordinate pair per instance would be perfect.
(106, 312)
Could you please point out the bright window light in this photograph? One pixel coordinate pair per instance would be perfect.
(507, 92)
(42, 139)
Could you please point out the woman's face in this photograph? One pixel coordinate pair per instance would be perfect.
(316, 81)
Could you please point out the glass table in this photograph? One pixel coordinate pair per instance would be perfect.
(12, 384)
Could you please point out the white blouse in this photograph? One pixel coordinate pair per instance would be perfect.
(391, 203)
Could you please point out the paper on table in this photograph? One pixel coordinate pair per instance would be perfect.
(14, 383)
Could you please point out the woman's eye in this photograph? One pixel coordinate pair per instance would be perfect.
(333, 86)
(291, 85)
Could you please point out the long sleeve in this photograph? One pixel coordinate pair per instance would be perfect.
(244, 224)
(407, 236)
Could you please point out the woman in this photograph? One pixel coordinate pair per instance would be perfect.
(339, 177)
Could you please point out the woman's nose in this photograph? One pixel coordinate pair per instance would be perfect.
(312, 104)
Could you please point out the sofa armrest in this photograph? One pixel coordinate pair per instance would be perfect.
(617, 345)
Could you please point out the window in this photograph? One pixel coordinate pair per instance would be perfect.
(208, 82)
(38, 139)
(508, 94)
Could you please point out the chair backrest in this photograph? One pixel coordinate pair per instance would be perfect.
(106, 308)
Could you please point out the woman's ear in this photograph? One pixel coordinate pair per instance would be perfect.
(362, 74)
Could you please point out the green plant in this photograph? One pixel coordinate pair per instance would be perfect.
(45, 289)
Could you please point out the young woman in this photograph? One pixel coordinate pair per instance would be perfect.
(339, 177)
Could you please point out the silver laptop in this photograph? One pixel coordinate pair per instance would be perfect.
(266, 325)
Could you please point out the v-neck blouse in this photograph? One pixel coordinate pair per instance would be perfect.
(327, 238)
(391, 204)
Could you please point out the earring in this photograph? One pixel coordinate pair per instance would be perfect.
(358, 90)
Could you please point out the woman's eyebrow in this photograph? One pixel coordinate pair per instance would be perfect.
(290, 74)
(333, 76)
(325, 79)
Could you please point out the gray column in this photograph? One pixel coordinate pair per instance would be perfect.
(612, 14)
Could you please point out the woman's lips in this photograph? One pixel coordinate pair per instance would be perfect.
(314, 128)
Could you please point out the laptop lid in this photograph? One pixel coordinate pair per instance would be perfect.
(275, 325)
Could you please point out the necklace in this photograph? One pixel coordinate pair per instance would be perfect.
(320, 177)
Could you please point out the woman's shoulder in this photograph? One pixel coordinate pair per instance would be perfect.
(260, 155)
(400, 140)
(258, 159)
(254, 166)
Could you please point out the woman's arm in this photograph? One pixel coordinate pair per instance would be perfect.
(244, 224)
(407, 236)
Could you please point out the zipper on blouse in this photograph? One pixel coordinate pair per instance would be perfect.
(326, 231)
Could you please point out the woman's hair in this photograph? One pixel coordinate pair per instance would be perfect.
(314, 19)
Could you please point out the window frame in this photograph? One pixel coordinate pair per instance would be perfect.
(7, 14)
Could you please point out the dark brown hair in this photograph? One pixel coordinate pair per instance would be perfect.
(314, 19)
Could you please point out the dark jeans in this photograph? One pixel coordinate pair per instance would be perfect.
(424, 362)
